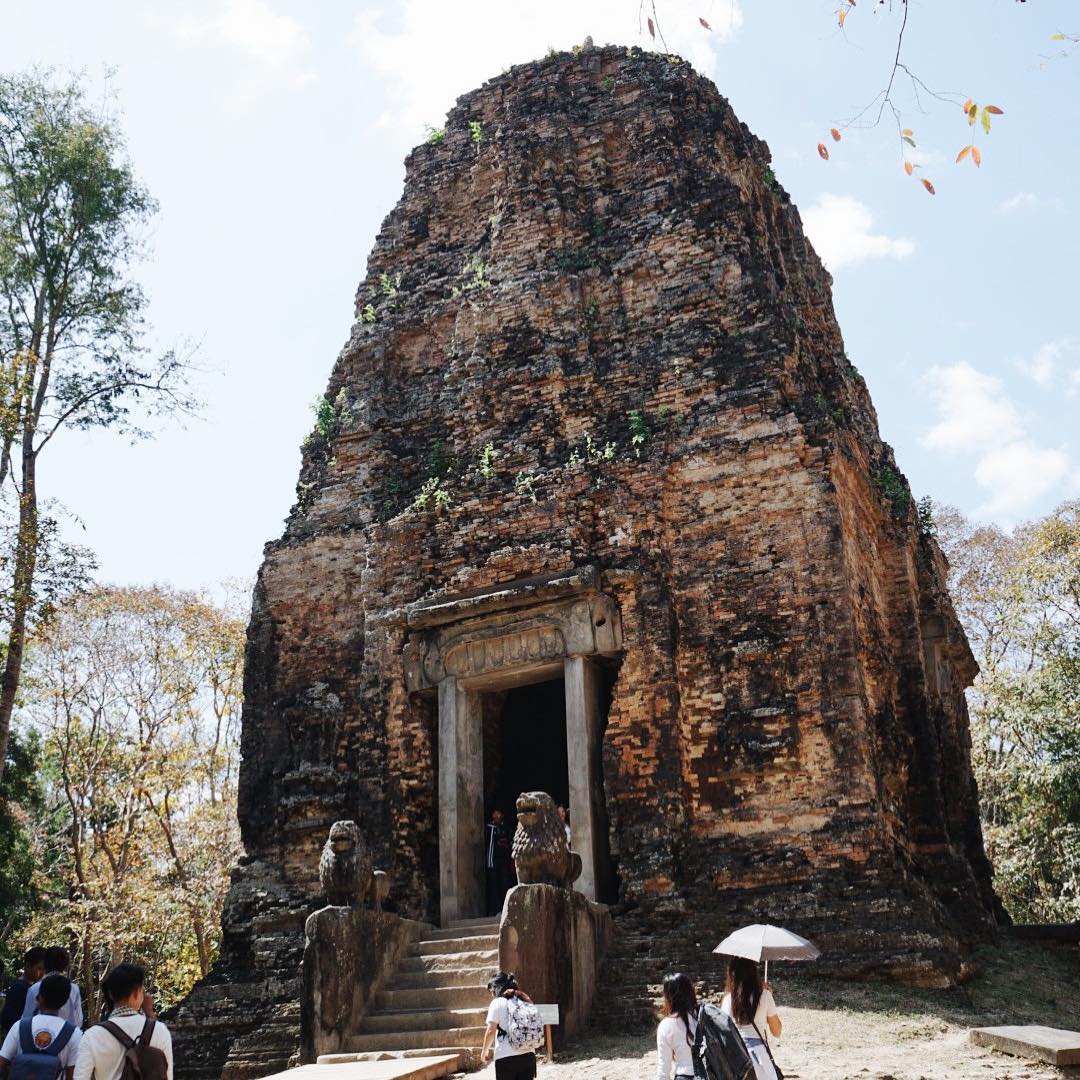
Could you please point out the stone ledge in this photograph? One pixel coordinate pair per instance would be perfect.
(1055, 1046)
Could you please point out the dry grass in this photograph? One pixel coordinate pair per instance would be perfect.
(873, 1031)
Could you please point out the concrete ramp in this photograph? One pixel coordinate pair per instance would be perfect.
(388, 1068)
(1055, 1046)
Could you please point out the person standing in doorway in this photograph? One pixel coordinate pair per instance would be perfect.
(498, 861)
(564, 818)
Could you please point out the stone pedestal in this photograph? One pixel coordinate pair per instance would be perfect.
(347, 954)
(554, 941)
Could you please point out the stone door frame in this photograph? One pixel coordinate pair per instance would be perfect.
(518, 634)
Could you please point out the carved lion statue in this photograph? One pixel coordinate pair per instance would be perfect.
(541, 853)
(346, 872)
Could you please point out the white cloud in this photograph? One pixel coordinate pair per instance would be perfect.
(1017, 475)
(839, 228)
(269, 38)
(429, 51)
(974, 411)
(1022, 200)
(1040, 368)
(977, 417)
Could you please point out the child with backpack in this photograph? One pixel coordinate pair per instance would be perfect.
(43, 1046)
(514, 1030)
(57, 962)
(129, 1045)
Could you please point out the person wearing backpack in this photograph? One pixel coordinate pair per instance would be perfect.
(15, 994)
(129, 1045)
(514, 1030)
(43, 1046)
(749, 1002)
(57, 962)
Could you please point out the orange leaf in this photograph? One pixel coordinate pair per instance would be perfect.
(964, 153)
(841, 15)
(835, 134)
(976, 156)
(929, 187)
(967, 105)
(704, 23)
(823, 151)
(995, 110)
(907, 131)
(908, 168)
(652, 29)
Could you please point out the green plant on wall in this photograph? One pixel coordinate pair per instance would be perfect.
(639, 430)
(475, 274)
(434, 135)
(486, 465)
(523, 485)
(476, 133)
(891, 485)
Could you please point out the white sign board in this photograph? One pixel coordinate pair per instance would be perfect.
(549, 1014)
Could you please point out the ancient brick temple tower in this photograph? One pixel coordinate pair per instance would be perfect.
(597, 504)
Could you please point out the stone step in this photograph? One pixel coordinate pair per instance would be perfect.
(485, 920)
(488, 958)
(432, 997)
(378, 1023)
(468, 1056)
(428, 979)
(452, 932)
(469, 1037)
(476, 943)
(422, 1066)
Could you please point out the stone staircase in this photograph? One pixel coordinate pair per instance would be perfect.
(435, 1002)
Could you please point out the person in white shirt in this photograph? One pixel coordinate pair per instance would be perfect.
(57, 962)
(46, 1027)
(675, 1033)
(101, 1056)
(510, 1063)
(750, 1004)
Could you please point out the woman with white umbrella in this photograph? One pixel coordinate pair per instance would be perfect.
(750, 1004)
(749, 1001)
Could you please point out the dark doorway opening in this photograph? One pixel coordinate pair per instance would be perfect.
(525, 746)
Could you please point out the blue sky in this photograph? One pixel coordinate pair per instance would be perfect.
(272, 132)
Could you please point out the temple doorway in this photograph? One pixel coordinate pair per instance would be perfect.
(525, 746)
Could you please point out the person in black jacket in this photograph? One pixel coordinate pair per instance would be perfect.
(15, 994)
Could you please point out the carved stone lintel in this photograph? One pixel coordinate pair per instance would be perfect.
(506, 641)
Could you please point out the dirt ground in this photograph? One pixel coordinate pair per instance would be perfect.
(872, 1031)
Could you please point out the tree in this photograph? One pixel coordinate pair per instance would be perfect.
(1019, 599)
(21, 800)
(137, 704)
(70, 320)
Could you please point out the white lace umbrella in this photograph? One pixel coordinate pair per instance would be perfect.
(767, 943)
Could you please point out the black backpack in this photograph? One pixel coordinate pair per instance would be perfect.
(719, 1051)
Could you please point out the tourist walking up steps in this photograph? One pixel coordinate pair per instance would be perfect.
(57, 962)
(750, 1004)
(15, 994)
(43, 1046)
(103, 1053)
(675, 1033)
(514, 1030)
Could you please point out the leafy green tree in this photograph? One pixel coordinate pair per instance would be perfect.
(71, 211)
(136, 700)
(1019, 599)
(21, 800)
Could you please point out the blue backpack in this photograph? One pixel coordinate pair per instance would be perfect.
(32, 1063)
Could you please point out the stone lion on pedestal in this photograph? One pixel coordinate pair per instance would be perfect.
(541, 853)
(347, 872)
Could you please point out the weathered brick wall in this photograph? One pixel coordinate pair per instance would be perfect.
(608, 288)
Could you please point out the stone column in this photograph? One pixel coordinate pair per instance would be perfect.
(461, 803)
(582, 748)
